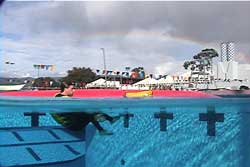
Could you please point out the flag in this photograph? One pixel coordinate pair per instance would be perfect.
(47, 67)
(109, 72)
(52, 67)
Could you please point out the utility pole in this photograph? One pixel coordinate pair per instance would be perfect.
(11, 63)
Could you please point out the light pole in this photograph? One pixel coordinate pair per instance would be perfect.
(11, 63)
(104, 65)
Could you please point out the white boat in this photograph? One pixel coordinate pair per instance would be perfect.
(11, 87)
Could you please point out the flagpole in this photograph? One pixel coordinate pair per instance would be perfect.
(11, 63)
(38, 72)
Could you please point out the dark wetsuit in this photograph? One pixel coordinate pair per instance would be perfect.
(78, 120)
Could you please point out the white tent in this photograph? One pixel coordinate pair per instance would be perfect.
(186, 75)
(161, 81)
(167, 80)
(103, 83)
(11, 87)
(146, 82)
(113, 84)
(96, 83)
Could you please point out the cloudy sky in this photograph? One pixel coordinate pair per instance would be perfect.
(159, 36)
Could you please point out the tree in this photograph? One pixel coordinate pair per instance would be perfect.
(202, 61)
(80, 75)
(201, 65)
(45, 82)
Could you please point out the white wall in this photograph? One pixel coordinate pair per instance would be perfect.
(244, 72)
(226, 70)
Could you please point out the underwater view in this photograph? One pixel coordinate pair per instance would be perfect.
(151, 132)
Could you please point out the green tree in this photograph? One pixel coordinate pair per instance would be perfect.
(202, 60)
(80, 74)
(138, 69)
(45, 82)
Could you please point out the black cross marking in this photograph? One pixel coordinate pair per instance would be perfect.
(126, 116)
(163, 116)
(211, 117)
(34, 118)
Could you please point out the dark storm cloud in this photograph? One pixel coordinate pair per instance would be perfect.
(84, 27)
(121, 17)
(70, 16)
(199, 21)
(211, 21)
(205, 22)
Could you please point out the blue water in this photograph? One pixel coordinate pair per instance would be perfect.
(185, 143)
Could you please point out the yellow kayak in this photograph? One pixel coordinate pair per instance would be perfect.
(140, 94)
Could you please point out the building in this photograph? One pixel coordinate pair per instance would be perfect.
(227, 69)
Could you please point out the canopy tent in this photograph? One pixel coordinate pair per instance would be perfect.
(96, 83)
(161, 81)
(113, 84)
(11, 87)
(167, 80)
(185, 76)
(103, 83)
(146, 82)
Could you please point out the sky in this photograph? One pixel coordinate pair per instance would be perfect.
(158, 36)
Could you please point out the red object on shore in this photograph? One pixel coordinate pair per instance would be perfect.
(108, 93)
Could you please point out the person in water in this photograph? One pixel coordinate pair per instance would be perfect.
(78, 120)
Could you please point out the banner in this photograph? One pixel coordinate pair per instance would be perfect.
(47, 67)
(43, 66)
(52, 68)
